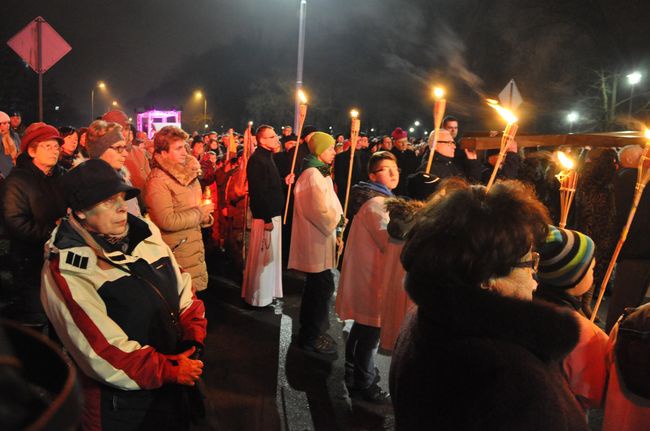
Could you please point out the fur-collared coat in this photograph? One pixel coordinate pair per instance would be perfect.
(480, 361)
(173, 196)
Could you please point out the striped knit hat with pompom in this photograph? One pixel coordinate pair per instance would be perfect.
(565, 257)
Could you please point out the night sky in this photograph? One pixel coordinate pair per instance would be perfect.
(378, 55)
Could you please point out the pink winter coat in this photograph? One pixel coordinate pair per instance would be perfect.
(586, 366)
(624, 410)
(360, 292)
(316, 213)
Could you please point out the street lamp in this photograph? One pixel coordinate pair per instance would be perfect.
(417, 123)
(411, 129)
(198, 95)
(115, 103)
(572, 117)
(632, 79)
(101, 86)
(301, 55)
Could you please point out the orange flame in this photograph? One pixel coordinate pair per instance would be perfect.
(438, 93)
(647, 134)
(302, 97)
(506, 114)
(565, 160)
(354, 113)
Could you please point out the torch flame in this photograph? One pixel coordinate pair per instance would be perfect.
(505, 113)
(438, 93)
(250, 123)
(647, 134)
(565, 160)
(302, 97)
(354, 113)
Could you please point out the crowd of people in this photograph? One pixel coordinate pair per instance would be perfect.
(483, 300)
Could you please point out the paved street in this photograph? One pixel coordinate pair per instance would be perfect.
(257, 379)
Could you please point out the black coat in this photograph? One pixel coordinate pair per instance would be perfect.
(408, 162)
(342, 169)
(446, 167)
(484, 362)
(636, 245)
(31, 204)
(264, 186)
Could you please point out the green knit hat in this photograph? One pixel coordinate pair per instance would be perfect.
(565, 257)
(319, 142)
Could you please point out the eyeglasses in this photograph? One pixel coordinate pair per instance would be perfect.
(50, 147)
(447, 142)
(533, 263)
(119, 148)
(389, 169)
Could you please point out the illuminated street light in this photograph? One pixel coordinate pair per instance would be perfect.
(632, 79)
(411, 129)
(372, 129)
(417, 123)
(102, 86)
(198, 95)
(572, 117)
(205, 126)
(115, 103)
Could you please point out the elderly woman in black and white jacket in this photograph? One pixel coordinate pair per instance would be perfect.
(121, 307)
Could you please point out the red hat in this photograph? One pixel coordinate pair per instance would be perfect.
(399, 133)
(116, 116)
(40, 133)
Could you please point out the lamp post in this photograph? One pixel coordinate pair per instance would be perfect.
(301, 56)
(632, 79)
(198, 95)
(101, 86)
(571, 118)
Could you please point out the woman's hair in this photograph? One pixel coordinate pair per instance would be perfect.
(468, 236)
(377, 158)
(67, 131)
(99, 128)
(163, 138)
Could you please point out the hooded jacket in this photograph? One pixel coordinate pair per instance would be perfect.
(173, 196)
(115, 326)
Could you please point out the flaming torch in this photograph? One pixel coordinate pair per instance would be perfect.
(643, 176)
(355, 126)
(438, 114)
(302, 113)
(508, 135)
(207, 197)
(568, 178)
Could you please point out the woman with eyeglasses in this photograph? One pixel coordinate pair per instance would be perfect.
(31, 202)
(122, 308)
(478, 353)
(105, 141)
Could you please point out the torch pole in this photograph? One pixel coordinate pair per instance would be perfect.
(301, 121)
(508, 134)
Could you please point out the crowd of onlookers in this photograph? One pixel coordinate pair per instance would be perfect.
(503, 296)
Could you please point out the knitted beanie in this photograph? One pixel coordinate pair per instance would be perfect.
(97, 147)
(565, 257)
(399, 133)
(320, 142)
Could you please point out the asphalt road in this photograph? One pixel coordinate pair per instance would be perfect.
(257, 379)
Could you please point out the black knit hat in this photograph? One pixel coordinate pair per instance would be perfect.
(92, 182)
(421, 185)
